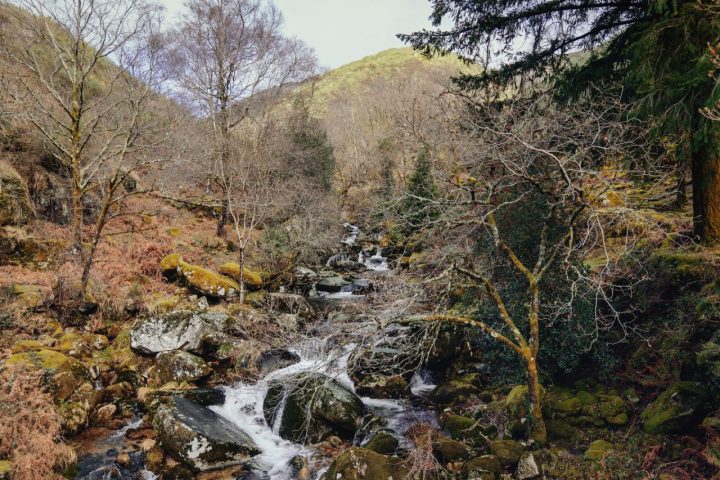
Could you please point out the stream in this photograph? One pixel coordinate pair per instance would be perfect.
(243, 405)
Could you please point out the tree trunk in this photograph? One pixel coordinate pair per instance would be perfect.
(222, 219)
(536, 427)
(241, 276)
(706, 193)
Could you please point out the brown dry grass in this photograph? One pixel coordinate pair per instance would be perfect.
(30, 427)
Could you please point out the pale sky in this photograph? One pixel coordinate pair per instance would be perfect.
(341, 31)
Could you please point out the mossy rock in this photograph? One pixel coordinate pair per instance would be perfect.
(67, 373)
(485, 467)
(507, 451)
(15, 206)
(677, 410)
(380, 386)
(450, 451)
(452, 391)
(382, 442)
(5, 469)
(206, 282)
(180, 366)
(459, 427)
(598, 450)
(571, 406)
(169, 265)
(252, 279)
(586, 398)
(560, 429)
(363, 464)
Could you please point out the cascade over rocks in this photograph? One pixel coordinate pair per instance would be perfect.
(199, 437)
(311, 407)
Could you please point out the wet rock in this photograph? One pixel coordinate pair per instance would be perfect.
(452, 391)
(380, 386)
(527, 468)
(466, 429)
(382, 442)
(363, 464)
(332, 284)
(485, 467)
(205, 397)
(598, 450)
(180, 366)
(103, 415)
(310, 407)
(507, 451)
(275, 359)
(678, 409)
(199, 437)
(448, 451)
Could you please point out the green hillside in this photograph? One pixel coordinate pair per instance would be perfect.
(387, 64)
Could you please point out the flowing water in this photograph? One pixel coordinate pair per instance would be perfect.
(243, 404)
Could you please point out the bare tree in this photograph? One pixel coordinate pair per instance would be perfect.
(64, 85)
(226, 52)
(558, 167)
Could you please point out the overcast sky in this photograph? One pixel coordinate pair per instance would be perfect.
(341, 31)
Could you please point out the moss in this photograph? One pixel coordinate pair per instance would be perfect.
(560, 429)
(169, 265)
(571, 406)
(613, 409)
(489, 464)
(450, 451)
(5, 468)
(252, 279)
(174, 231)
(598, 450)
(383, 442)
(677, 409)
(43, 358)
(586, 398)
(207, 282)
(507, 451)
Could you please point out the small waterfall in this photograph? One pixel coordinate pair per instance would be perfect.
(374, 262)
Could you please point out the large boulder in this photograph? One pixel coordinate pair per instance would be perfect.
(364, 464)
(678, 409)
(207, 282)
(180, 366)
(311, 407)
(180, 330)
(199, 437)
(15, 206)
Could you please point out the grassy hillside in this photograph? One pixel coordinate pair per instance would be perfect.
(388, 64)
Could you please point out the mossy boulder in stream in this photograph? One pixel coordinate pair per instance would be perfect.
(678, 409)
(199, 437)
(311, 407)
(364, 464)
